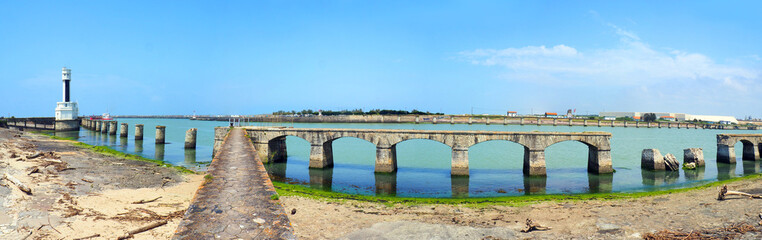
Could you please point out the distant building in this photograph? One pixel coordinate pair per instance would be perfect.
(637, 118)
(609, 118)
(677, 116)
(551, 115)
(668, 118)
(512, 114)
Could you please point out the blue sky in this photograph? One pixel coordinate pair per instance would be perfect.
(250, 57)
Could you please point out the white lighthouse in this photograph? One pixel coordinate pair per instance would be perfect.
(66, 110)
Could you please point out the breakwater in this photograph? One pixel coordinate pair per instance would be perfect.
(457, 119)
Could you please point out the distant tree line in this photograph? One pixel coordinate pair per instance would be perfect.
(355, 112)
(649, 117)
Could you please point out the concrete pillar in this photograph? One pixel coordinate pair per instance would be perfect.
(399, 119)
(695, 155)
(452, 119)
(750, 151)
(138, 131)
(321, 155)
(726, 153)
(104, 126)
(272, 151)
(112, 128)
(637, 124)
(539, 121)
(417, 120)
(459, 161)
(659, 125)
(486, 121)
(190, 138)
(160, 131)
(555, 122)
(386, 158)
(570, 121)
(599, 161)
(505, 121)
(599, 123)
(470, 121)
(98, 126)
(521, 121)
(624, 123)
(434, 120)
(612, 123)
(123, 130)
(534, 162)
(584, 123)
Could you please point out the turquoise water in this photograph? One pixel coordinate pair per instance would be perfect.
(424, 165)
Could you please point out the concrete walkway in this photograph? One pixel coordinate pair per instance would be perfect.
(236, 202)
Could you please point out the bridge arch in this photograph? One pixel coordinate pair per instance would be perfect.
(507, 150)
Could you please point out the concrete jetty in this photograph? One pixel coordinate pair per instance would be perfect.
(235, 201)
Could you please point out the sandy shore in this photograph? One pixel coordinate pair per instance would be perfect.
(78, 193)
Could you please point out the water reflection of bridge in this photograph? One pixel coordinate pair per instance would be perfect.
(385, 184)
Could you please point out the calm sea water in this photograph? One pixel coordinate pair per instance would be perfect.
(424, 165)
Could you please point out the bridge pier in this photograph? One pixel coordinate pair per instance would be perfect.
(521, 121)
(555, 122)
(534, 162)
(321, 155)
(273, 151)
(599, 161)
(750, 151)
(123, 130)
(160, 131)
(459, 161)
(386, 159)
(726, 153)
(138, 132)
(190, 138)
(112, 128)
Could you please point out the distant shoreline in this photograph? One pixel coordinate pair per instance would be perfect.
(455, 119)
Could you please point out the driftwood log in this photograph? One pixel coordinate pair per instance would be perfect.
(18, 184)
(531, 226)
(143, 229)
(724, 192)
(146, 201)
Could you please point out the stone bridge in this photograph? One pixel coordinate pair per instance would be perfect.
(270, 143)
(752, 147)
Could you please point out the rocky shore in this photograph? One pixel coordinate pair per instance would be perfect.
(77, 193)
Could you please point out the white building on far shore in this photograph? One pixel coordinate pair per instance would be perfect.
(677, 116)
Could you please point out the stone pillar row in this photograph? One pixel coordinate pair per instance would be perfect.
(321, 156)
(110, 128)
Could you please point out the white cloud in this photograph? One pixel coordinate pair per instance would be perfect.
(643, 77)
